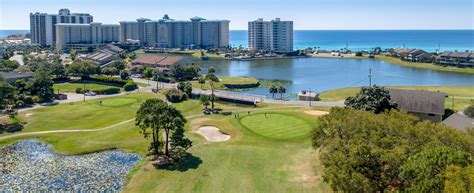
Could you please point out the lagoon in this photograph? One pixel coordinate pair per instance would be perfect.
(322, 74)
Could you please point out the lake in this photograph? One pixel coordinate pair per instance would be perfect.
(321, 74)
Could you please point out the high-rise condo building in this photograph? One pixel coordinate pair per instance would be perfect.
(43, 25)
(275, 35)
(79, 36)
(168, 33)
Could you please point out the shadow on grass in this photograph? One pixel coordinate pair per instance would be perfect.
(11, 127)
(188, 161)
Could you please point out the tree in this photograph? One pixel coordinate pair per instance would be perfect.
(459, 179)
(7, 98)
(8, 65)
(124, 75)
(82, 68)
(205, 100)
(281, 90)
(119, 65)
(201, 80)
(157, 115)
(148, 73)
(42, 84)
(375, 99)
(148, 118)
(186, 87)
(273, 89)
(363, 152)
(179, 143)
(422, 171)
(110, 70)
(57, 70)
(73, 54)
(184, 72)
(211, 78)
(469, 111)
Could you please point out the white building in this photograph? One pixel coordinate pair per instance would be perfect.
(85, 35)
(275, 35)
(43, 25)
(168, 33)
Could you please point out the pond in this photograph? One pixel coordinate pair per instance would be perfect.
(31, 166)
(322, 74)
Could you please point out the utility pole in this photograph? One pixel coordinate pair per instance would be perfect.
(84, 90)
(370, 77)
(309, 98)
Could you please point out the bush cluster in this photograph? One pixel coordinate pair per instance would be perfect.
(130, 86)
(175, 96)
(107, 91)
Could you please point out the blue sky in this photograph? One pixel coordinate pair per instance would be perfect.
(306, 14)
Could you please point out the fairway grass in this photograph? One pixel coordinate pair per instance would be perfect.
(248, 162)
(429, 66)
(276, 126)
(71, 87)
(463, 95)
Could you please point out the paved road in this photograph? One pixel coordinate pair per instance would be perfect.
(243, 96)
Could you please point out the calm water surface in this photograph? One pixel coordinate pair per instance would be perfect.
(320, 74)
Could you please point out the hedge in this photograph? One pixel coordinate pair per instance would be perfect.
(80, 91)
(107, 91)
(107, 79)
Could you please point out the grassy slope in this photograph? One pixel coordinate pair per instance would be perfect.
(463, 95)
(71, 87)
(84, 115)
(247, 163)
(425, 65)
(226, 80)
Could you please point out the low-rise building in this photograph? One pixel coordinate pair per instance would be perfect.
(458, 121)
(162, 63)
(412, 55)
(460, 59)
(105, 55)
(426, 105)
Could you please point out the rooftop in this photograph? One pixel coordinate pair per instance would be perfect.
(156, 59)
(418, 101)
(459, 121)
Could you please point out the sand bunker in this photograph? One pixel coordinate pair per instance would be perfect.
(212, 134)
(316, 112)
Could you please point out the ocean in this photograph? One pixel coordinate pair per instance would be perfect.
(429, 40)
(359, 40)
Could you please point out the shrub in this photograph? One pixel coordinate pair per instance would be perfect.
(81, 91)
(175, 96)
(469, 111)
(130, 86)
(358, 54)
(107, 91)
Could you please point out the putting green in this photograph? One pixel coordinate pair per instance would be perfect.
(116, 102)
(276, 126)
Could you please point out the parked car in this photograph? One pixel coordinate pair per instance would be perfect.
(90, 94)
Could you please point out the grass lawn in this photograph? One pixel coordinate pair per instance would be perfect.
(424, 65)
(197, 54)
(226, 80)
(70, 87)
(84, 115)
(276, 126)
(249, 162)
(463, 95)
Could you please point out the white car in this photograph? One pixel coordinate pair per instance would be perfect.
(89, 93)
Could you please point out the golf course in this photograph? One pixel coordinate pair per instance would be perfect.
(257, 158)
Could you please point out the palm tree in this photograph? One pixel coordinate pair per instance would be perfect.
(281, 90)
(211, 77)
(273, 89)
